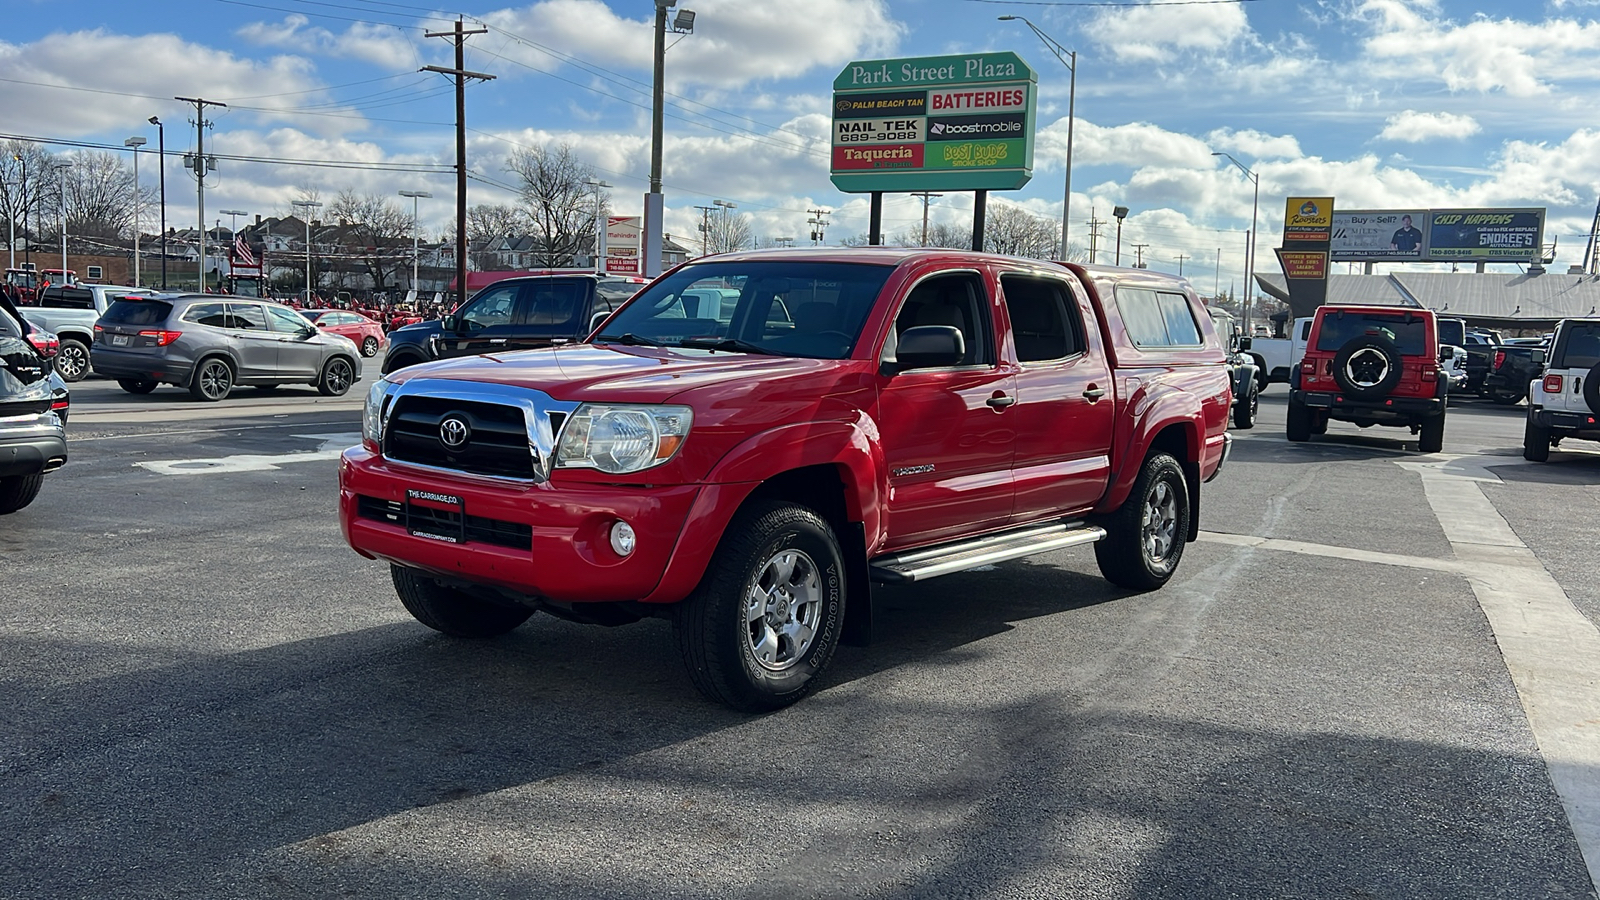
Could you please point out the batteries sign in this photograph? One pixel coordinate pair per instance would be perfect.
(963, 122)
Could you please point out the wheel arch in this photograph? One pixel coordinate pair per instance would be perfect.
(224, 355)
(1177, 436)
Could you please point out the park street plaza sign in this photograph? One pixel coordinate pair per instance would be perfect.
(936, 123)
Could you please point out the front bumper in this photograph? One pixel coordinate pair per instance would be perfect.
(1399, 410)
(549, 541)
(31, 445)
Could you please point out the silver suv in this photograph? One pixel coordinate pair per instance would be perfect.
(209, 343)
(33, 410)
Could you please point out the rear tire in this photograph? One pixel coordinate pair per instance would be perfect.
(369, 347)
(18, 491)
(337, 376)
(1299, 424)
(452, 611)
(762, 626)
(138, 385)
(1506, 398)
(1244, 414)
(1431, 438)
(1145, 538)
(212, 381)
(72, 360)
(1535, 443)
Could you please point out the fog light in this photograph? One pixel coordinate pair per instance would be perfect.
(622, 538)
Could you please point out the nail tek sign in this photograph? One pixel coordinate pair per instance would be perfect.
(955, 123)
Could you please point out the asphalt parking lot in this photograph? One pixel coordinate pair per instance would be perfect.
(1371, 678)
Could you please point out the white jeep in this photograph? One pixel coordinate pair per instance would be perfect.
(1565, 401)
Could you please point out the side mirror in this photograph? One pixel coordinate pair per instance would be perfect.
(596, 319)
(1447, 352)
(451, 322)
(930, 347)
(1244, 343)
(307, 331)
(1537, 356)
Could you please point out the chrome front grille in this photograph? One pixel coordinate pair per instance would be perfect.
(510, 431)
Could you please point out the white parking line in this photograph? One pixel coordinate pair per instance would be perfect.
(331, 446)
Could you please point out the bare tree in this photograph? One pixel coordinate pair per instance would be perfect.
(488, 222)
(557, 199)
(727, 233)
(25, 169)
(374, 230)
(1013, 231)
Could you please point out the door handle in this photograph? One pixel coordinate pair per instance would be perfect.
(1001, 401)
(1093, 394)
(497, 340)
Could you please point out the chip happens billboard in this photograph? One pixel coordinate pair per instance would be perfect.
(1437, 235)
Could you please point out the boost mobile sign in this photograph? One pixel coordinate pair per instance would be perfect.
(1437, 235)
(956, 123)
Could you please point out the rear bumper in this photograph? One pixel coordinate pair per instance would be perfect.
(1567, 424)
(1387, 409)
(32, 445)
(123, 364)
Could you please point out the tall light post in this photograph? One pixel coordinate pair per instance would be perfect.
(61, 187)
(27, 206)
(135, 143)
(724, 241)
(599, 226)
(1069, 58)
(11, 219)
(654, 203)
(415, 257)
(307, 206)
(1121, 212)
(161, 165)
(1250, 248)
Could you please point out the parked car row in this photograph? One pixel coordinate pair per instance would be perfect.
(33, 411)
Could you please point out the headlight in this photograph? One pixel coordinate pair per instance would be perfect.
(372, 413)
(622, 439)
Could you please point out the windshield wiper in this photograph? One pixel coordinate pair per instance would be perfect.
(734, 344)
(629, 338)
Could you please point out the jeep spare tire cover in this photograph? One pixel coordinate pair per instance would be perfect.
(1367, 366)
(1591, 389)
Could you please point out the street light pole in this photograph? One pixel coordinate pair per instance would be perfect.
(1121, 212)
(599, 226)
(1070, 60)
(724, 241)
(415, 256)
(654, 203)
(135, 142)
(1250, 248)
(307, 205)
(161, 159)
(61, 186)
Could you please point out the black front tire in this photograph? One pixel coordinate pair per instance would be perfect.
(395, 363)
(72, 360)
(1431, 438)
(1299, 422)
(1535, 443)
(138, 385)
(337, 376)
(18, 491)
(1244, 414)
(453, 611)
(1145, 538)
(755, 654)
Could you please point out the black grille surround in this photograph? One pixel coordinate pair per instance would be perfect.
(498, 445)
(446, 522)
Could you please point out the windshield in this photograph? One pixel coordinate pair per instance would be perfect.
(778, 307)
(1408, 333)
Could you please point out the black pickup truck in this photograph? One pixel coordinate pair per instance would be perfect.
(1511, 368)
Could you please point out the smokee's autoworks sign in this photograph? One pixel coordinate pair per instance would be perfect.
(1437, 235)
(956, 123)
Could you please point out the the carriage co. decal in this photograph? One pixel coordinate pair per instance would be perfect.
(913, 470)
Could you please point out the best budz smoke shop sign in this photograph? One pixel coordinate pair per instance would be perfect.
(954, 123)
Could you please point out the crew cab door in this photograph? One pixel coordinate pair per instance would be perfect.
(552, 311)
(486, 324)
(947, 433)
(1063, 415)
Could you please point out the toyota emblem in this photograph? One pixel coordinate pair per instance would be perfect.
(454, 432)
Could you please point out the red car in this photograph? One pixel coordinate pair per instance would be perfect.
(367, 334)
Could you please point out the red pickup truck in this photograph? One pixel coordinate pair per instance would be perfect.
(756, 438)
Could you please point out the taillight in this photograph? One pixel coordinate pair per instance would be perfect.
(1552, 384)
(59, 404)
(1499, 357)
(163, 338)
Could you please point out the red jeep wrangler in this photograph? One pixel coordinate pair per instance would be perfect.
(756, 438)
(1370, 365)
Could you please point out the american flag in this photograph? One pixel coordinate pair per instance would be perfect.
(241, 251)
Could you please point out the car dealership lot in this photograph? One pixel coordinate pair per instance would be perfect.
(211, 696)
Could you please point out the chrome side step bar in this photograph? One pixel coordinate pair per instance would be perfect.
(931, 562)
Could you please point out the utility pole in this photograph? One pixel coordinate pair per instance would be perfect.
(705, 228)
(1180, 258)
(1216, 280)
(1094, 224)
(201, 165)
(926, 198)
(1138, 255)
(459, 38)
(818, 223)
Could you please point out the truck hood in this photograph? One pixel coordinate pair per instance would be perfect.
(620, 374)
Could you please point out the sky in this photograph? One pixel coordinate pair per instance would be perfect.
(1378, 103)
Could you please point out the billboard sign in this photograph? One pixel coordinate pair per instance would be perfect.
(1308, 219)
(622, 244)
(1485, 235)
(1371, 235)
(954, 123)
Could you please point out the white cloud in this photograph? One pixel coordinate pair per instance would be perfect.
(1519, 58)
(1415, 127)
(1255, 144)
(1149, 34)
